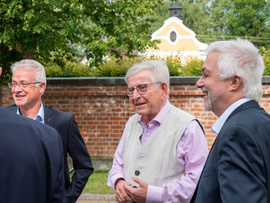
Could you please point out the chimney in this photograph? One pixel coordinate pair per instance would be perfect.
(176, 9)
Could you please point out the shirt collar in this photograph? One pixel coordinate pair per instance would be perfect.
(160, 116)
(40, 115)
(221, 120)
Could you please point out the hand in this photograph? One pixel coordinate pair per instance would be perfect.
(120, 192)
(137, 194)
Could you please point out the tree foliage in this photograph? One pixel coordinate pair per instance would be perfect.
(228, 19)
(47, 30)
(163, 14)
(195, 15)
(249, 18)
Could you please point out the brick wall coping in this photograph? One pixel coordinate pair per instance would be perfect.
(120, 80)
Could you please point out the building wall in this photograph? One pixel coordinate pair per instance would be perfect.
(182, 45)
(101, 107)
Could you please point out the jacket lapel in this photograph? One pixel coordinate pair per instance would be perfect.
(247, 105)
(48, 116)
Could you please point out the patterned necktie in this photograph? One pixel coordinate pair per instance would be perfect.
(38, 118)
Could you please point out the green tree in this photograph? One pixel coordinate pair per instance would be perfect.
(249, 18)
(163, 14)
(217, 10)
(195, 15)
(207, 18)
(47, 30)
(228, 19)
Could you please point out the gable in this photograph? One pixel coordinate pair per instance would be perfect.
(173, 26)
(184, 39)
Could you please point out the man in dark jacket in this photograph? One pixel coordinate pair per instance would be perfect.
(27, 86)
(31, 160)
(238, 165)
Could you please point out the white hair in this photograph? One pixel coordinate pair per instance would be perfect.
(240, 57)
(158, 68)
(27, 64)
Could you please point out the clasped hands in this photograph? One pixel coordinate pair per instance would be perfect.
(124, 192)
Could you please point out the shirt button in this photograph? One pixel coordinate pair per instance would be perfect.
(137, 173)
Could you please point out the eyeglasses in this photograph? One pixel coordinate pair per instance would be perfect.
(142, 89)
(22, 84)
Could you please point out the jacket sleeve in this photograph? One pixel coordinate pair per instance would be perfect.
(241, 170)
(59, 189)
(53, 152)
(82, 163)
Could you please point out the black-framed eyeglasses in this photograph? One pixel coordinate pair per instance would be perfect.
(22, 84)
(142, 89)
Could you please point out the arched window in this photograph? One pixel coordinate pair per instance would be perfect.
(173, 36)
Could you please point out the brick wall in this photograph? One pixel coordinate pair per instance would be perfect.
(101, 107)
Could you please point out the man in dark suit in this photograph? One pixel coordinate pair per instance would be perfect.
(27, 87)
(31, 160)
(238, 165)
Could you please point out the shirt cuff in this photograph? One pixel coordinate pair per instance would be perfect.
(117, 180)
(154, 194)
(113, 179)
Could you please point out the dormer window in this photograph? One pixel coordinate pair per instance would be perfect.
(173, 36)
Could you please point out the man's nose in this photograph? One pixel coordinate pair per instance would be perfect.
(136, 94)
(199, 83)
(17, 88)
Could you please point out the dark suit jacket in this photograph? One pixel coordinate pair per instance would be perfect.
(31, 163)
(238, 166)
(73, 144)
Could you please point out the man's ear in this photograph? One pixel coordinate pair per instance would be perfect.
(42, 87)
(236, 82)
(164, 86)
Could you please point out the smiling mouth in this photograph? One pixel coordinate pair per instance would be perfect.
(139, 104)
(204, 91)
(19, 96)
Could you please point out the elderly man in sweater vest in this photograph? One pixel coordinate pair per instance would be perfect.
(163, 149)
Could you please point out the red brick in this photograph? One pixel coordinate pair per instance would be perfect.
(101, 111)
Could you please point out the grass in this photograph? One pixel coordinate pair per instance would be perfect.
(97, 184)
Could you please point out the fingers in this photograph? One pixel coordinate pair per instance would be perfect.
(138, 194)
(118, 199)
(139, 181)
(126, 193)
(120, 193)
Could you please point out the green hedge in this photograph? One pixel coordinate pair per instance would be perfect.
(266, 58)
(117, 68)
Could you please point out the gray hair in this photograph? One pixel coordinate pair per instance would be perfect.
(158, 68)
(27, 64)
(240, 57)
